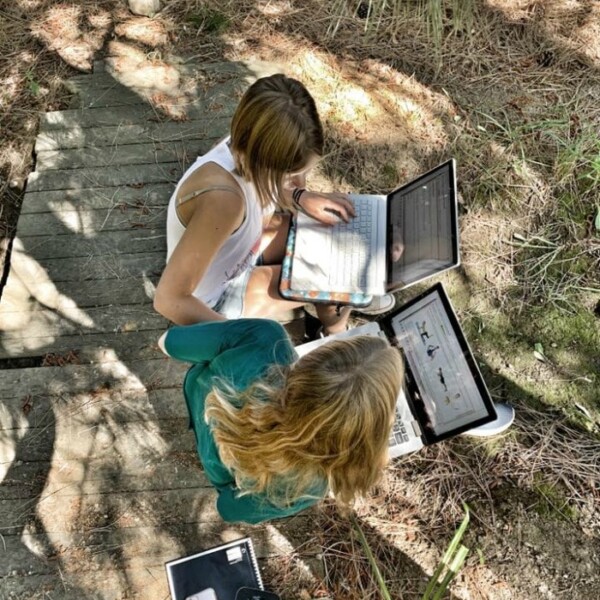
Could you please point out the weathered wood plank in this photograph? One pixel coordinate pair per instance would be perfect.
(112, 445)
(122, 407)
(110, 266)
(102, 176)
(93, 93)
(131, 154)
(221, 101)
(106, 346)
(211, 127)
(138, 547)
(22, 295)
(84, 348)
(92, 225)
(89, 96)
(209, 71)
(69, 319)
(134, 375)
(123, 197)
(192, 85)
(132, 238)
(178, 468)
(65, 513)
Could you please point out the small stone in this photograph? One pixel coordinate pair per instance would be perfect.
(144, 8)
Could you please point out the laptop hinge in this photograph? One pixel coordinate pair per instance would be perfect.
(417, 428)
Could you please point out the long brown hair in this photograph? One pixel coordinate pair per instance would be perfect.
(275, 130)
(327, 419)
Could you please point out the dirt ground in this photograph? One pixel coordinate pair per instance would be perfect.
(511, 89)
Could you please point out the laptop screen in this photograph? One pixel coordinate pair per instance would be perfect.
(450, 393)
(422, 236)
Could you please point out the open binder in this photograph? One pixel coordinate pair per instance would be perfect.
(215, 574)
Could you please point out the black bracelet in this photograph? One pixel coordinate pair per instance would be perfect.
(297, 192)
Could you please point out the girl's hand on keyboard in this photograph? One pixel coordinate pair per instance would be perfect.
(327, 208)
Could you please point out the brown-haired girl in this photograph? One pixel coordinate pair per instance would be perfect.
(221, 216)
(275, 433)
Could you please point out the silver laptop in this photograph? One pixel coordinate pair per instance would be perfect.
(393, 242)
(444, 393)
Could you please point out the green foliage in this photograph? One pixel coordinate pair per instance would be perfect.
(451, 563)
(372, 561)
(32, 85)
(390, 175)
(439, 17)
(209, 20)
(552, 503)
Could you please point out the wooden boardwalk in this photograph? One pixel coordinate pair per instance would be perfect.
(100, 483)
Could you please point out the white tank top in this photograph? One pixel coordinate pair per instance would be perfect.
(240, 250)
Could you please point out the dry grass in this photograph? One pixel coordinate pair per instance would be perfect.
(411, 517)
(512, 89)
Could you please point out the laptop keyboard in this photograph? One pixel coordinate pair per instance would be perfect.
(399, 434)
(353, 241)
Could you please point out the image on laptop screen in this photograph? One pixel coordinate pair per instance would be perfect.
(422, 228)
(438, 363)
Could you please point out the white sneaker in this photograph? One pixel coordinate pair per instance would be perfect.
(506, 415)
(379, 304)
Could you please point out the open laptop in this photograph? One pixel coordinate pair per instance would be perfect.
(444, 393)
(393, 242)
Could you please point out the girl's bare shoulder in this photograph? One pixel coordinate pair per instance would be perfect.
(206, 176)
(201, 186)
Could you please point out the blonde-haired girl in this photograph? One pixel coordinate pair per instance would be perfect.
(221, 219)
(274, 433)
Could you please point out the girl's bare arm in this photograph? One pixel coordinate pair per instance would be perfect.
(216, 216)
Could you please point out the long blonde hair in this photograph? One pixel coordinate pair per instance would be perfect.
(275, 131)
(326, 418)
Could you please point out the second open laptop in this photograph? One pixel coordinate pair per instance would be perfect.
(443, 393)
(393, 242)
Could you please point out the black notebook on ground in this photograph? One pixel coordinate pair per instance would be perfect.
(215, 574)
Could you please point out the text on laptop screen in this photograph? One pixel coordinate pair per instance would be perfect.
(449, 392)
(421, 228)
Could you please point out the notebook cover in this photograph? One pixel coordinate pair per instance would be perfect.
(312, 296)
(224, 569)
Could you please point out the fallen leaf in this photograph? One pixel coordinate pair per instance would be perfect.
(584, 410)
(538, 352)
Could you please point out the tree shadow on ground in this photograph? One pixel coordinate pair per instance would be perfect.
(92, 412)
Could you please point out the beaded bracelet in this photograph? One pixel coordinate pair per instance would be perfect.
(296, 198)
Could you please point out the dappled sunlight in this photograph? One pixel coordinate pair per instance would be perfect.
(155, 80)
(150, 32)
(32, 306)
(376, 116)
(13, 427)
(571, 24)
(75, 220)
(104, 501)
(73, 33)
(274, 9)
(379, 102)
